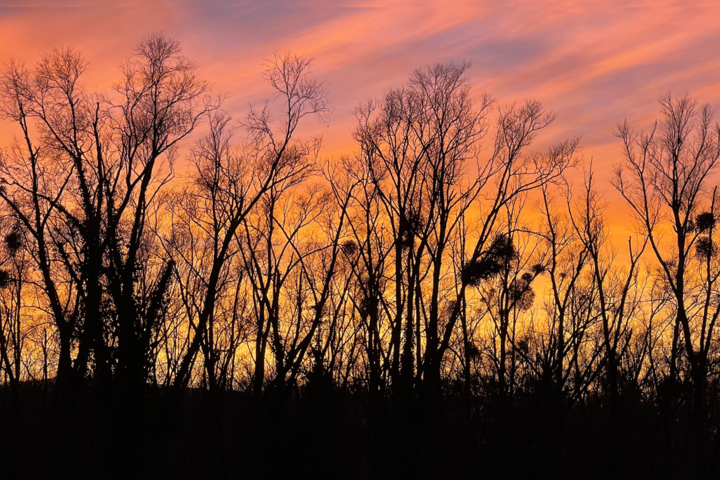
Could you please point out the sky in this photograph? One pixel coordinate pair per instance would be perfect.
(593, 63)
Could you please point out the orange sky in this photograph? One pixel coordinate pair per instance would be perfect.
(594, 63)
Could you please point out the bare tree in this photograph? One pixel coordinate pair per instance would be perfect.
(82, 185)
(618, 293)
(664, 177)
(508, 174)
(13, 272)
(229, 187)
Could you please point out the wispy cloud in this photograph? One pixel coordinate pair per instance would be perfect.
(593, 64)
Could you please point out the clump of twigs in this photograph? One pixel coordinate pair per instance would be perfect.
(501, 252)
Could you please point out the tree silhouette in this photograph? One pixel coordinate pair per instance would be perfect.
(186, 294)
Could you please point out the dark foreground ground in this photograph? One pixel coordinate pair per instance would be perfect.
(334, 435)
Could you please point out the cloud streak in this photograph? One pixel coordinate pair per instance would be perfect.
(593, 65)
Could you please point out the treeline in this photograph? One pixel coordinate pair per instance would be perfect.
(155, 247)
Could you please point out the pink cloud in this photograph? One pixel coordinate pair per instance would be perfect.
(594, 66)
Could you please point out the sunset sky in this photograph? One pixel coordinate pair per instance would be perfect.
(594, 63)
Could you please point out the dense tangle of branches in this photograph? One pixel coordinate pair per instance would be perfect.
(446, 257)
